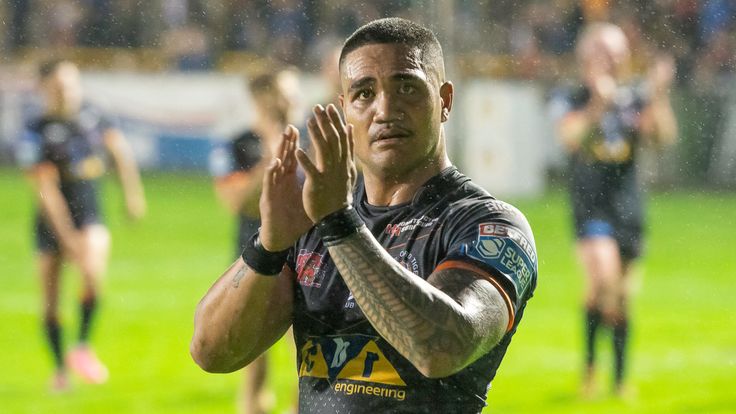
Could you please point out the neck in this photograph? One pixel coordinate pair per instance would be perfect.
(393, 189)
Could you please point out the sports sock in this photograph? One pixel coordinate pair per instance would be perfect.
(592, 322)
(87, 311)
(620, 338)
(53, 334)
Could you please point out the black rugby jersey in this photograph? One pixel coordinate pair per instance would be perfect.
(239, 154)
(603, 177)
(344, 365)
(75, 147)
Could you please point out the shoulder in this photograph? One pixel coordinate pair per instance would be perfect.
(92, 118)
(245, 138)
(566, 98)
(471, 201)
(493, 235)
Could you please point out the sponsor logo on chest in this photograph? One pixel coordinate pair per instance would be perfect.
(310, 268)
(395, 230)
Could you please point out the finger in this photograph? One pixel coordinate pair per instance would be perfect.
(351, 142)
(309, 168)
(290, 156)
(284, 144)
(269, 176)
(329, 132)
(339, 127)
(321, 151)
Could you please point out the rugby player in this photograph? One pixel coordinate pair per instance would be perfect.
(63, 152)
(238, 168)
(405, 286)
(606, 120)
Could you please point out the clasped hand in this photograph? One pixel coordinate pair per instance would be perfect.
(288, 208)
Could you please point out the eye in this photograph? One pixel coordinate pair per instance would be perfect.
(364, 94)
(406, 89)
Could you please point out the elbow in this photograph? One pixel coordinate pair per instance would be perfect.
(209, 356)
(441, 365)
(207, 360)
(202, 357)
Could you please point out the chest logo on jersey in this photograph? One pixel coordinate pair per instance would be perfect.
(349, 357)
(309, 268)
(395, 230)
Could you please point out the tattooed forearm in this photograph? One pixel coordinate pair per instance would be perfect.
(425, 324)
(239, 276)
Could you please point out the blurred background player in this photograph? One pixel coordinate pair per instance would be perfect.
(608, 119)
(238, 168)
(63, 153)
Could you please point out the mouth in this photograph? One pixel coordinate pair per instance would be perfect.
(392, 134)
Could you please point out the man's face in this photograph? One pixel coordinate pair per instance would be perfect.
(282, 102)
(63, 89)
(394, 102)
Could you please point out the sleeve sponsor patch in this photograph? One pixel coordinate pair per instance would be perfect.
(507, 250)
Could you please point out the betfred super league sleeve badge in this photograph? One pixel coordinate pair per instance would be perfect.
(507, 250)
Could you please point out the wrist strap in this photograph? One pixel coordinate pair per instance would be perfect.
(339, 225)
(261, 260)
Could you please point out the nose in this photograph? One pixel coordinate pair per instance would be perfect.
(388, 109)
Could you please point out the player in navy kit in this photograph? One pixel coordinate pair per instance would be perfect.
(604, 124)
(238, 167)
(63, 152)
(405, 287)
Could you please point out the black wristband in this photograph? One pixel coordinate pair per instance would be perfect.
(261, 260)
(338, 225)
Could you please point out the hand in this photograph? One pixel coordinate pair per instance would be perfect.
(283, 218)
(661, 74)
(330, 178)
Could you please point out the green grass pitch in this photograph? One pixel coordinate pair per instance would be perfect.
(683, 351)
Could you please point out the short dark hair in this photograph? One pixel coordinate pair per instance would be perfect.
(48, 67)
(263, 83)
(266, 82)
(395, 30)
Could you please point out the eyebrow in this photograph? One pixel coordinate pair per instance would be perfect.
(362, 82)
(368, 80)
(407, 76)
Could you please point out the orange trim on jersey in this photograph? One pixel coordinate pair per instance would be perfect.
(457, 264)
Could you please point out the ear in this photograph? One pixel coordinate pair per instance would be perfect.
(446, 95)
(341, 99)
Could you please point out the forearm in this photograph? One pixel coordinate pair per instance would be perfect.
(240, 316)
(663, 124)
(575, 127)
(424, 324)
(130, 178)
(125, 163)
(55, 210)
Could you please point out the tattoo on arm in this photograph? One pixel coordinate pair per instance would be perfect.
(453, 317)
(239, 276)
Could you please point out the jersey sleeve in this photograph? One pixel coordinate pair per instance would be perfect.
(247, 151)
(496, 239)
(29, 149)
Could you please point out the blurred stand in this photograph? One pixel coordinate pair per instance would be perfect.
(521, 47)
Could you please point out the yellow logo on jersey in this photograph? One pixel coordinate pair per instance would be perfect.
(350, 357)
(90, 168)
